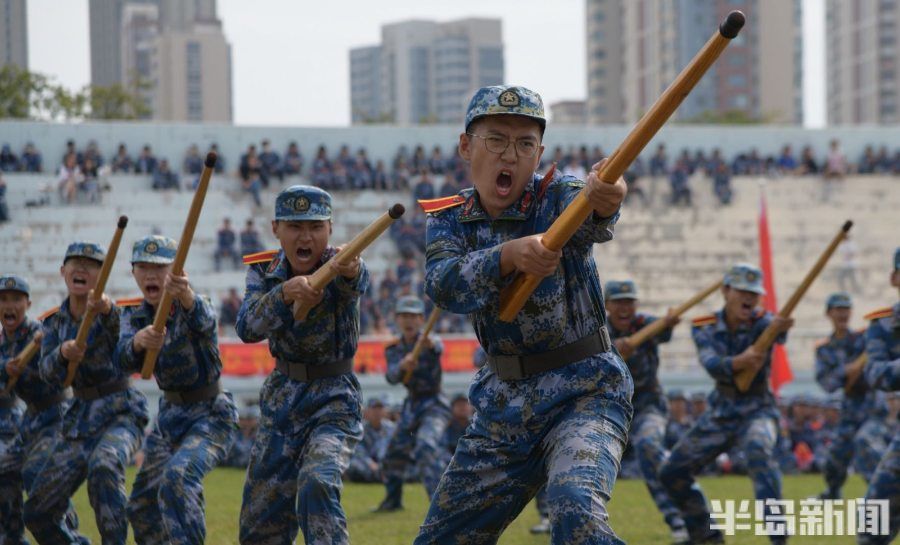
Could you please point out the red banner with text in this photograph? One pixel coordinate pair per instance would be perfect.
(239, 359)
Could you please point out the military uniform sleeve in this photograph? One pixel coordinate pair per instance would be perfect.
(456, 280)
(52, 366)
(262, 311)
(393, 354)
(202, 318)
(125, 355)
(830, 374)
(881, 372)
(717, 365)
(594, 230)
(664, 336)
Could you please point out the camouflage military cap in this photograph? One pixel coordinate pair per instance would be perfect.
(154, 249)
(506, 100)
(90, 250)
(839, 299)
(676, 394)
(620, 289)
(745, 277)
(12, 282)
(303, 203)
(409, 304)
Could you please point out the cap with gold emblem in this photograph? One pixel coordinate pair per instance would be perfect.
(303, 203)
(620, 289)
(13, 282)
(506, 100)
(90, 250)
(745, 277)
(154, 249)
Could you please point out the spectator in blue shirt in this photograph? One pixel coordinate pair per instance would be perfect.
(193, 163)
(122, 161)
(93, 153)
(379, 177)
(424, 189)
(681, 191)
(437, 164)
(8, 160)
(270, 163)
(146, 162)
(659, 161)
(32, 161)
(220, 161)
(786, 161)
(321, 169)
(164, 178)
(250, 243)
(4, 209)
(293, 160)
(225, 246)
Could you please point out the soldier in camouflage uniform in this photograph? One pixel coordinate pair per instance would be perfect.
(365, 464)
(104, 426)
(197, 419)
(648, 428)
(862, 432)
(311, 402)
(746, 419)
(882, 372)
(425, 413)
(552, 404)
(24, 446)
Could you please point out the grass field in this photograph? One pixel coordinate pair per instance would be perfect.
(633, 514)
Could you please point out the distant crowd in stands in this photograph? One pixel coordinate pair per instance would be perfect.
(434, 173)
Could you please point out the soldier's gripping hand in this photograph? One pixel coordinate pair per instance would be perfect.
(149, 339)
(179, 287)
(348, 270)
(71, 351)
(298, 290)
(407, 363)
(671, 318)
(528, 255)
(100, 306)
(12, 368)
(624, 347)
(748, 359)
(782, 324)
(604, 198)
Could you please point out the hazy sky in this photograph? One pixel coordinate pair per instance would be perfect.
(291, 57)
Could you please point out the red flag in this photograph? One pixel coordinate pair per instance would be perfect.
(781, 367)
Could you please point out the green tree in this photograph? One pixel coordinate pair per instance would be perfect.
(115, 102)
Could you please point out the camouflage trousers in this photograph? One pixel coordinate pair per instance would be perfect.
(885, 485)
(307, 432)
(166, 504)
(862, 441)
(417, 440)
(648, 434)
(99, 459)
(563, 432)
(709, 437)
(21, 458)
(12, 525)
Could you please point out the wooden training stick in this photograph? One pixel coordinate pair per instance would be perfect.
(23, 357)
(88, 320)
(744, 378)
(860, 364)
(417, 349)
(184, 244)
(325, 274)
(658, 326)
(514, 296)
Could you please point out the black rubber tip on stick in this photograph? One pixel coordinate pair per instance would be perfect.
(210, 159)
(123, 221)
(732, 25)
(396, 211)
(847, 225)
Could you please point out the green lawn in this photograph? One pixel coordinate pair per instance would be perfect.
(633, 514)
